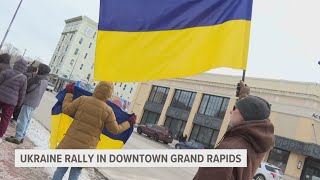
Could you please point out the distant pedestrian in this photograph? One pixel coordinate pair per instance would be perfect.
(31, 72)
(250, 129)
(4, 62)
(36, 87)
(91, 114)
(13, 85)
(183, 138)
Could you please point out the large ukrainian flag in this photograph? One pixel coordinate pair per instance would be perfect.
(141, 40)
(61, 122)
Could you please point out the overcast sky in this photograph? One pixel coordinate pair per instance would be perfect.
(284, 43)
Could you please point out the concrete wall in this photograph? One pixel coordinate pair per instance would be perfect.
(166, 105)
(140, 98)
(291, 169)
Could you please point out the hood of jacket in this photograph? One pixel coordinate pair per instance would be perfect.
(4, 66)
(5, 58)
(103, 91)
(43, 69)
(260, 134)
(20, 65)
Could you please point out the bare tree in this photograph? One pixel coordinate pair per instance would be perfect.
(7, 47)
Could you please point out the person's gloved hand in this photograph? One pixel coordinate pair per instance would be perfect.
(70, 88)
(132, 119)
(242, 90)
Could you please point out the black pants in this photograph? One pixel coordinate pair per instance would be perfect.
(16, 113)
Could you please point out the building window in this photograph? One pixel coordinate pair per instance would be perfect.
(71, 62)
(81, 40)
(81, 66)
(131, 90)
(214, 106)
(88, 31)
(85, 56)
(183, 99)
(71, 37)
(58, 48)
(57, 71)
(66, 48)
(279, 158)
(63, 38)
(94, 35)
(204, 135)
(76, 52)
(176, 126)
(54, 59)
(75, 27)
(124, 87)
(61, 59)
(120, 84)
(90, 45)
(88, 77)
(158, 94)
(149, 117)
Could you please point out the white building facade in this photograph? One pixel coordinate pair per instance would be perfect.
(125, 90)
(74, 55)
(73, 58)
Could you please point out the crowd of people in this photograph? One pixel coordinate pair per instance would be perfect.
(22, 87)
(21, 90)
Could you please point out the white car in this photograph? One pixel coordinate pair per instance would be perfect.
(268, 171)
(50, 87)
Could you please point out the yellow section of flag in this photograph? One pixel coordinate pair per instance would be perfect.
(143, 56)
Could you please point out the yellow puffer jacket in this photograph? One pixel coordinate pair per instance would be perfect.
(91, 115)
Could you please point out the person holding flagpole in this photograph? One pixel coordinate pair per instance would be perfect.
(250, 129)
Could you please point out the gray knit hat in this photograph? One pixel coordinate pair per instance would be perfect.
(253, 108)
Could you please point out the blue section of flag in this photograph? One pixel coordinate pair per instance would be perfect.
(121, 116)
(157, 15)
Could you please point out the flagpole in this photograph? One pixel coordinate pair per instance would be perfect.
(14, 16)
(243, 75)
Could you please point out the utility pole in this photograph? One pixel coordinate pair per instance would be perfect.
(14, 16)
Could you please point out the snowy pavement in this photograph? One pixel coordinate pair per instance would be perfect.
(37, 138)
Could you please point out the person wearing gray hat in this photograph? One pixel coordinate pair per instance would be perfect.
(250, 129)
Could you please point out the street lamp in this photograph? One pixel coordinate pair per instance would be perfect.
(14, 16)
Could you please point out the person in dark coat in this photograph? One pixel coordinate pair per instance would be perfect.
(250, 129)
(13, 85)
(31, 72)
(4, 62)
(36, 87)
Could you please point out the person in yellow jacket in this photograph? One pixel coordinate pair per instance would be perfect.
(91, 114)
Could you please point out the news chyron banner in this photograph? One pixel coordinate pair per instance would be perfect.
(131, 158)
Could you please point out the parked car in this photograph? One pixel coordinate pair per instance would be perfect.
(158, 133)
(189, 145)
(268, 171)
(50, 87)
